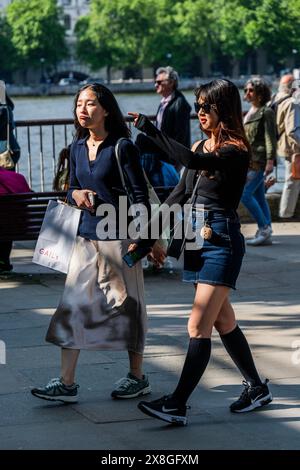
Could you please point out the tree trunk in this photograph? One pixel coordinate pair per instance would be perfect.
(235, 63)
(261, 61)
(206, 61)
(205, 66)
(108, 73)
(249, 64)
(24, 75)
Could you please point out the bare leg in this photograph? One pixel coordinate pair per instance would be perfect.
(136, 364)
(207, 304)
(225, 322)
(69, 359)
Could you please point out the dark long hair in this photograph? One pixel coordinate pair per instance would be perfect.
(114, 122)
(225, 95)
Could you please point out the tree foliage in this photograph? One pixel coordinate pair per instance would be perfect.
(8, 53)
(274, 25)
(36, 31)
(133, 33)
(114, 33)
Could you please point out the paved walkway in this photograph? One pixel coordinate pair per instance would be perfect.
(267, 306)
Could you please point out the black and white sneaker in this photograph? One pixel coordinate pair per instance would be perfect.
(252, 398)
(165, 408)
(55, 390)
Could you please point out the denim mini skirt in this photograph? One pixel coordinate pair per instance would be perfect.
(216, 261)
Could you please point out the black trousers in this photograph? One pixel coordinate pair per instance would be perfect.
(5, 250)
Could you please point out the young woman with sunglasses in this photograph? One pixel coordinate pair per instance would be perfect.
(222, 161)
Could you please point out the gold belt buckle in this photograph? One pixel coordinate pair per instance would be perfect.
(206, 232)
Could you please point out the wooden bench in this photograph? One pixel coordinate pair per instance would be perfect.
(21, 215)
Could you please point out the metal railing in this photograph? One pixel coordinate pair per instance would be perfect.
(42, 140)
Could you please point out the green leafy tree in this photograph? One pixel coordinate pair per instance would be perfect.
(160, 41)
(8, 53)
(36, 32)
(274, 26)
(114, 33)
(230, 18)
(194, 34)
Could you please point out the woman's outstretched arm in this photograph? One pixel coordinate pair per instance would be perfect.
(180, 153)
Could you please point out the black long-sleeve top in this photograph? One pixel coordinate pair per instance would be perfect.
(102, 176)
(220, 187)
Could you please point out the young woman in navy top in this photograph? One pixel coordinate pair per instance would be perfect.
(102, 306)
(221, 162)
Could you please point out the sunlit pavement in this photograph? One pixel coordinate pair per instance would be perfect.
(267, 306)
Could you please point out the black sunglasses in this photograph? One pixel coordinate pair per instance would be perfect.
(159, 82)
(248, 89)
(205, 106)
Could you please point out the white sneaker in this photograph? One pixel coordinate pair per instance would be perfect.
(262, 237)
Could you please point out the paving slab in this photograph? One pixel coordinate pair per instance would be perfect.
(267, 305)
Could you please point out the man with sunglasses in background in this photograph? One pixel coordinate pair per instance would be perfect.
(173, 114)
(172, 118)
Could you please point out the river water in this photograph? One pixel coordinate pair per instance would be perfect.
(28, 108)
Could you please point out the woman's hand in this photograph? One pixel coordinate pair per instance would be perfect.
(132, 247)
(135, 117)
(269, 167)
(158, 254)
(81, 198)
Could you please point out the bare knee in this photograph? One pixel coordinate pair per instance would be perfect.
(224, 327)
(199, 331)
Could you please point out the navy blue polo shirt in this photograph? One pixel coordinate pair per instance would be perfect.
(102, 176)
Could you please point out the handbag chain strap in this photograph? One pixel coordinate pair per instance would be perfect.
(7, 129)
(118, 158)
(193, 196)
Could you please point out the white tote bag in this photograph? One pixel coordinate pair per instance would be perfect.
(57, 236)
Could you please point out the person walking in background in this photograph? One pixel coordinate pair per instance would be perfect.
(288, 146)
(215, 171)
(6, 112)
(173, 118)
(260, 130)
(10, 183)
(102, 306)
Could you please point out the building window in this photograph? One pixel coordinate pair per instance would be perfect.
(67, 22)
(66, 2)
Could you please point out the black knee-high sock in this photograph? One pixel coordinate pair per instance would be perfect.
(238, 348)
(196, 360)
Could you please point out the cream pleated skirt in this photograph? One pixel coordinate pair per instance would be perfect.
(102, 306)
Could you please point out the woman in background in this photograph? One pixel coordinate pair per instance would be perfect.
(260, 128)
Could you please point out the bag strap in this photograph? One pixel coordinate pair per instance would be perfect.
(7, 129)
(193, 196)
(118, 158)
